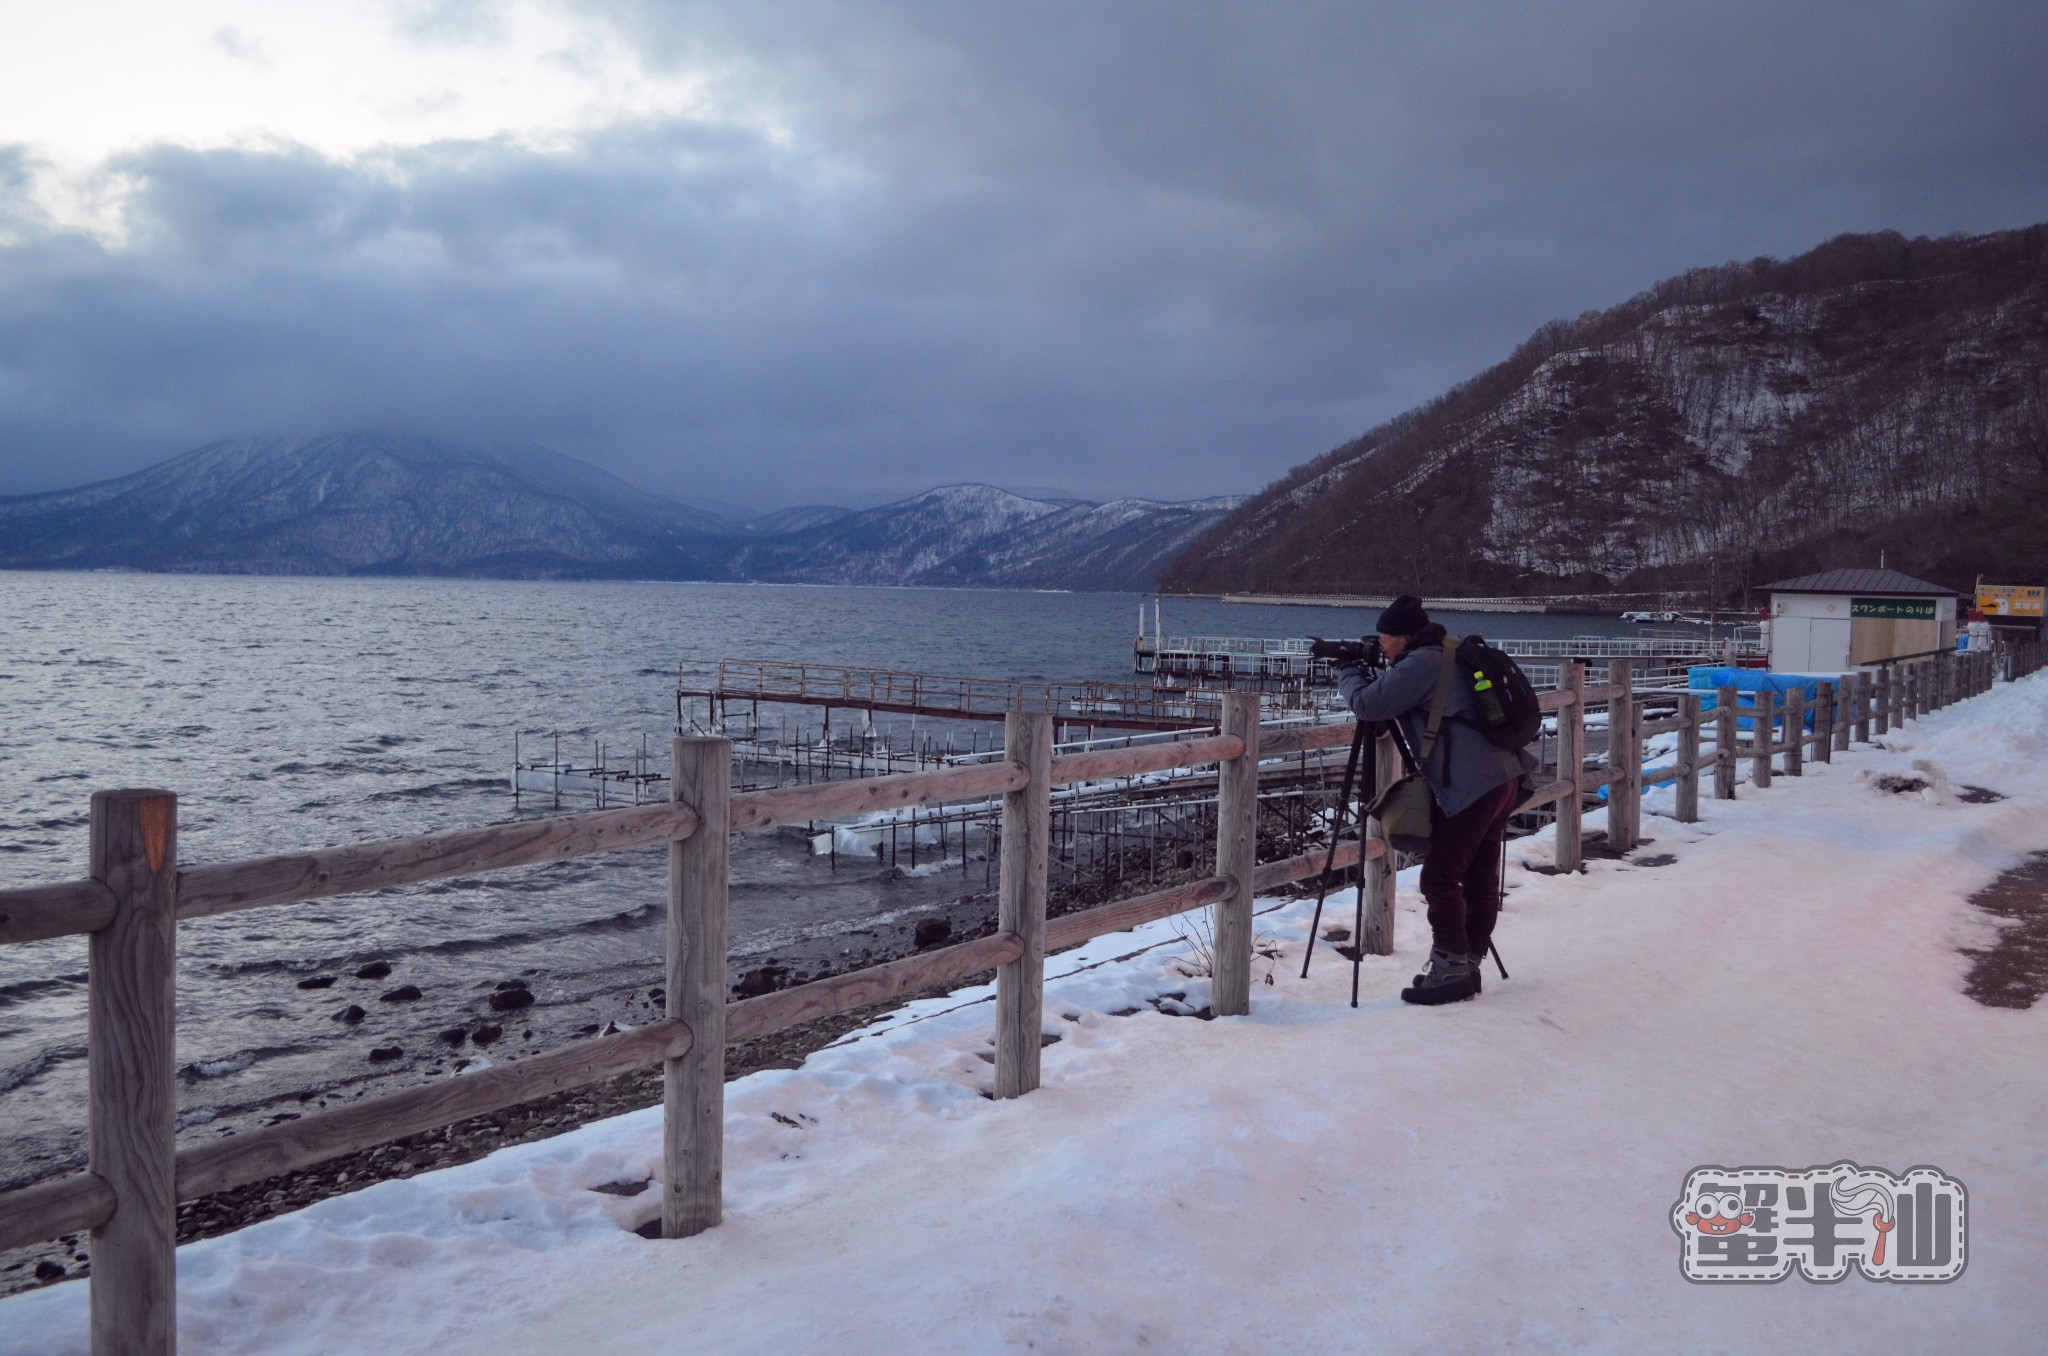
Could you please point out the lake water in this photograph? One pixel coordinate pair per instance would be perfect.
(297, 713)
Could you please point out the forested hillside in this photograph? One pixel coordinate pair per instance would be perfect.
(1770, 417)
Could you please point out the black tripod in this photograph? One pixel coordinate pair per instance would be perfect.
(1360, 737)
(1364, 736)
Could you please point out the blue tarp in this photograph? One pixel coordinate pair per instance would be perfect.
(1706, 678)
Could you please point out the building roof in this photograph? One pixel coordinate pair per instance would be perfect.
(1858, 581)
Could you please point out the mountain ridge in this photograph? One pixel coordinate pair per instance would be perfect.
(370, 503)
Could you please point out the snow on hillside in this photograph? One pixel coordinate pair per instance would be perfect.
(1770, 411)
(1497, 1175)
(394, 503)
(979, 535)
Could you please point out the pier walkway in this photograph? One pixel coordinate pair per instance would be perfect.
(1265, 659)
(1103, 704)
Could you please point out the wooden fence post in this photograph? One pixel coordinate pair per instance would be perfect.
(1020, 902)
(1824, 704)
(1237, 855)
(1865, 694)
(1688, 806)
(1845, 711)
(693, 1087)
(1378, 939)
(1571, 764)
(1763, 736)
(1881, 700)
(1725, 714)
(1795, 732)
(1624, 759)
(1921, 691)
(131, 1037)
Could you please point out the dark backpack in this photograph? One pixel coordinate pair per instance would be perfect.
(1508, 713)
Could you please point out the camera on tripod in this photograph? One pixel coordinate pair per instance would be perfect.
(1365, 653)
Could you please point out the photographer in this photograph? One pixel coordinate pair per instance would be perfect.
(1475, 785)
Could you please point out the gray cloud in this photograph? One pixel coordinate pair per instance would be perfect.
(1140, 248)
(236, 45)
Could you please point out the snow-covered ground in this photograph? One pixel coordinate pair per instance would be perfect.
(1496, 1175)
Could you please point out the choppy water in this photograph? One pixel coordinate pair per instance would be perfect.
(292, 713)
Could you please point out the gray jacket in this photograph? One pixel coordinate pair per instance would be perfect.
(1465, 765)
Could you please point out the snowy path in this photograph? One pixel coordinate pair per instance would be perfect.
(1490, 1176)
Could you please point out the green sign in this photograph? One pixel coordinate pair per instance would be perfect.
(1897, 609)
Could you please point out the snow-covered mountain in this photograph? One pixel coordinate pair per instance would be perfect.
(1763, 419)
(376, 503)
(980, 535)
(364, 503)
(896, 543)
(1118, 545)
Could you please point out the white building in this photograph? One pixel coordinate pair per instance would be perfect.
(1839, 620)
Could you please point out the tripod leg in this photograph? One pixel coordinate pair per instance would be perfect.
(1503, 887)
(1358, 933)
(1336, 831)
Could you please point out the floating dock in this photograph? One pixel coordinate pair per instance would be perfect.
(724, 684)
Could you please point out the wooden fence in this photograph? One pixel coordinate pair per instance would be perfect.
(137, 893)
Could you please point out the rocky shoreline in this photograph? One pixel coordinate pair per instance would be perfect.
(512, 1002)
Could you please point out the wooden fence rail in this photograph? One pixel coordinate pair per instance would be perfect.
(137, 893)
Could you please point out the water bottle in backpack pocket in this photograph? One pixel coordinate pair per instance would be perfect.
(1509, 714)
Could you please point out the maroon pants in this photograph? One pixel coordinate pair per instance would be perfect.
(1461, 874)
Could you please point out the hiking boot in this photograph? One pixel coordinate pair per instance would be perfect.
(1450, 978)
(1478, 959)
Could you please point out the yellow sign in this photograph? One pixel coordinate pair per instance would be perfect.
(2009, 600)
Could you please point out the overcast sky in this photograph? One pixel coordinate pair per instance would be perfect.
(805, 252)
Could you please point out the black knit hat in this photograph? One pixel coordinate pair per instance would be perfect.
(1403, 617)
